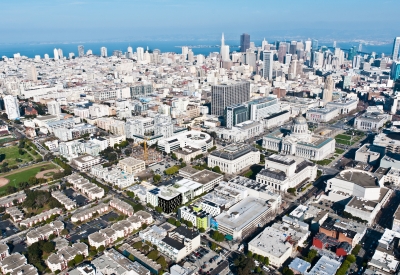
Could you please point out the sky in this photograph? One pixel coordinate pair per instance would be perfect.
(68, 21)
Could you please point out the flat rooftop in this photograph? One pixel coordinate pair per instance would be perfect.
(271, 241)
(243, 213)
(205, 176)
(362, 178)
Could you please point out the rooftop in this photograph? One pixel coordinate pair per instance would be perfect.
(234, 151)
(362, 178)
(243, 213)
(205, 176)
(325, 266)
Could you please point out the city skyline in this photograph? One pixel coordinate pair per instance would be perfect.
(66, 21)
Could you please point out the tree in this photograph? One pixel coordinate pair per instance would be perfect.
(153, 255)
(189, 224)
(177, 223)
(257, 269)
(64, 232)
(213, 246)
(71, 263)
(216, 169)
(101, 248)
(159, 209)
(131, 257)
(249, 254)
(217, 236)
(202, 230)
(48, 247)
(146, 248)
(161, 261)
(171, 221)
(173, 156)
(156, 178)
(351, 258)
(78, 259)
(213, 135)
(292, 191)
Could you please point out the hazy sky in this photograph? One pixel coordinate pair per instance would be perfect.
(88, 20)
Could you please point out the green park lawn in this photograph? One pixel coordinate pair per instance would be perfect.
(339, 151)
(344, 139)
(11, 153)
(24, 176)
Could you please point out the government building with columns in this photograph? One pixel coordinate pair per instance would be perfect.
(299, 141)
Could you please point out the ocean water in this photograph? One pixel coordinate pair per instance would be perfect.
(198, 47)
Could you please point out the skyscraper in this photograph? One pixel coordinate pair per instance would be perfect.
(55, 54)
(268, 64)
(264, 44)
(314, 44)
(328, 89)
(31, 73)
(292, 48)
(224, 50)
(185, 51)
(81, 51)
(334, 44)
(60, 54)
(235, 114)
(396, 46)
(53, 107)
(140, 53)
(227, 94)
(12, 107)
(244, 42)
(282, 51)
(103, 52)
(395, 71)
(307, 47)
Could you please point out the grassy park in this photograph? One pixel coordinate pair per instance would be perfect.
(11, 154)
(344, 139)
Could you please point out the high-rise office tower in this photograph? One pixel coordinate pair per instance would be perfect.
(292, 47)
(395, 71)
(11, 106)
(357, 61)
(307, 46)
(224, 50)
(282, 51)
(81, 51)
(235, 114)
(264, 44)
(268, 64)
(55, 54)
(250, 59)
(328, 89)
(288, 58)
(185, 51)
(244, 42)
(130, 50)
(396, 46)
(227, 94)
(190, 56)
(314, 44)
(53, 107)
(140, 53)
(60, 54)
(360, 47)
(31, 73)
(103, 52)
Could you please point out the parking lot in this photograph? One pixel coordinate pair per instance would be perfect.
(77, 197)
(8, 228)
(204, 259)
(84, 230)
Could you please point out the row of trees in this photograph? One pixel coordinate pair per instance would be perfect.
(260, 258)
(346, 265)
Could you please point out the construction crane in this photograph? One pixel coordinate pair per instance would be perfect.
(145, 152)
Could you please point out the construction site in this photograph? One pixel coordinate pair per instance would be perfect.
(149, 155)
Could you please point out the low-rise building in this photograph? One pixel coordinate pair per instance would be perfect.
(85, 162)
(207, 178)
(40, 217)
(9, 200)
(16, 214)
(115, 176)
(187, 153)
(326, 265)
(44, 232)
(132, 165)
(234, 158)
(322, 114)
(13, 263)
(64, 200)
(371, 121)
(4, 251)
(91, 190)
(244, 217)
(113, 262)
(122, 206)
(276, 119)
(175, 244)
(59, 261)
(195, 139)
(284, 172)
(88, 213)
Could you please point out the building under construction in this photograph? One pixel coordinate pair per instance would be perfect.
(153, 155)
